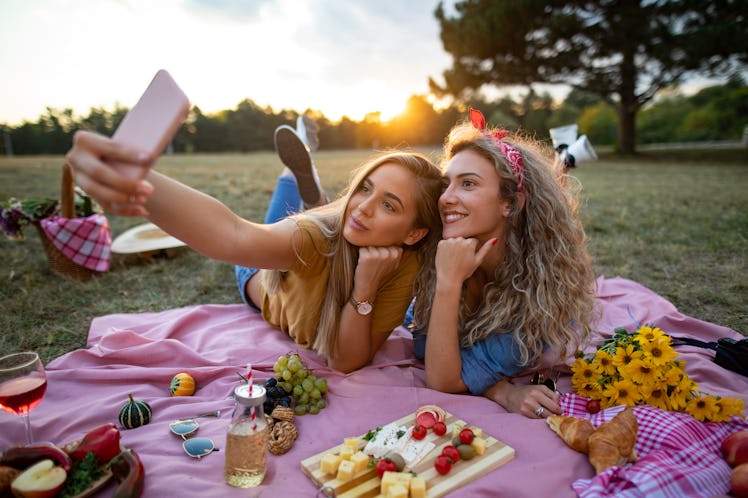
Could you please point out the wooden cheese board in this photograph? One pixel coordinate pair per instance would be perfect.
(366, 484)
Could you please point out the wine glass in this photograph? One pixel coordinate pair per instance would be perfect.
(22, 385)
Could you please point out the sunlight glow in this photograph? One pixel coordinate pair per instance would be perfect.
(273, 57)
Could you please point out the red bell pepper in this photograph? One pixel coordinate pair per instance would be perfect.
(102, 441)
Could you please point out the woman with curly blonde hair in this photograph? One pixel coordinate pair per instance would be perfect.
(512, 276)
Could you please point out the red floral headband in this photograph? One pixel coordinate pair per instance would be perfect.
(511, 153)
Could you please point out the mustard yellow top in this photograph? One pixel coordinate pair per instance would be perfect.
(295, 309)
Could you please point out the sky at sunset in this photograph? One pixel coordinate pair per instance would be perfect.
(338, 56)
(341, 57)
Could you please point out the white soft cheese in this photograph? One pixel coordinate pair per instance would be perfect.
(386, 440)
(413, 450)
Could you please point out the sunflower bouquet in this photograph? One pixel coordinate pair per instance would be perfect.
(642, 368)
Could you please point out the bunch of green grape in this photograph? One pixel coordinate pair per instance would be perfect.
(307, 390)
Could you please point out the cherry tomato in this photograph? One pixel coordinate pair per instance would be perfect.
(593, 406)
(443, 464)
(451, 452)
(419, 432)
(466, 436)
(384, 465)
(439, 428)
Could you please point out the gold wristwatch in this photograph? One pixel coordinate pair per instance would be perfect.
(361, 307)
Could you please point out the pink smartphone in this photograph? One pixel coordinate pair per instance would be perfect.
(154, 120)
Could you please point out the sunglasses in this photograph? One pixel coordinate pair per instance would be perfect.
(197, 447)
(550, 382)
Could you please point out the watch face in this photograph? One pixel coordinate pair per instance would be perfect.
(363, 308)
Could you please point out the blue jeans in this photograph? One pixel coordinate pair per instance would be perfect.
(286, 200)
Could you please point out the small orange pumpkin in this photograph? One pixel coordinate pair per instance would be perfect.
(182, 384)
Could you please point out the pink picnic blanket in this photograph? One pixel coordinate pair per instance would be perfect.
(139, 354)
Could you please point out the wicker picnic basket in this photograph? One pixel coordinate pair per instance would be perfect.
(59, 263)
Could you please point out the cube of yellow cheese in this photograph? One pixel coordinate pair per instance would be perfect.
(397, 491)
(329, 463)
(360, 461)
(479, 444)
(477, 431)
(346, 452)
(353, 442)
(390, 479)
(418, 487)
(345, 471)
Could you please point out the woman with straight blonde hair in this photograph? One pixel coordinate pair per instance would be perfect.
(339, 277)
(512, 277)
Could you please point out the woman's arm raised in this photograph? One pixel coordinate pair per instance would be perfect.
(212, 229)
(200, 221)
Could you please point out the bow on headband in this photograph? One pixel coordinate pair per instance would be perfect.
(511, 153)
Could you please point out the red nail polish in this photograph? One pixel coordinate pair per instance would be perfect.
(495, 241)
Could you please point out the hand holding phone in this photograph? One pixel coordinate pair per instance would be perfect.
(152, 122)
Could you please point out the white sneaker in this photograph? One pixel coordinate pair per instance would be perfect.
(294, 153)
(307, 130)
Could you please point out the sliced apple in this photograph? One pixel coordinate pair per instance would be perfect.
(44, 479)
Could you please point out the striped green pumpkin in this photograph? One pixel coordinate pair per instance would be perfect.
(134, 413)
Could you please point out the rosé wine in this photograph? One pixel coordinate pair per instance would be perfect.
(20, 396)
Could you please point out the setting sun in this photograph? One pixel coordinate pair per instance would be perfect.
(362, 98)
(285, 55)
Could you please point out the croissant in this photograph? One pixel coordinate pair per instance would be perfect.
(613, 442)
(574, 431)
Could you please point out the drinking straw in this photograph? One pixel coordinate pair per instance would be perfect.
(252, 413)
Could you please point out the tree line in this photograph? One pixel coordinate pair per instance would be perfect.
(717, 112)
(624, 52)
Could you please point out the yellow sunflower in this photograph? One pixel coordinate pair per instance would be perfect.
(624, 355)
(604, 362)
(606, 402)
(592, 390)
(703, 408)
(583, 373)
(648, 334)
(641, 371)
(686, 384)
(623, 392)
(656, 395)
(720, 415)
(730, 407)
(678, 398)
(673, 375)
(659, 350)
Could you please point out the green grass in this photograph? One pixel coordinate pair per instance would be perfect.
(675, 221)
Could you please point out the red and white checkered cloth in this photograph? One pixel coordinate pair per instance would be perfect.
(86, 241)
(678, 455)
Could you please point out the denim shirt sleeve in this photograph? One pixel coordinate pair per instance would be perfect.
(484, 364)
(489, 361)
